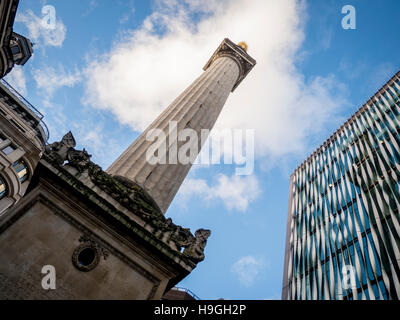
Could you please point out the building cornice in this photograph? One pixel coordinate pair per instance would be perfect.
(136, 211)
(229, 49)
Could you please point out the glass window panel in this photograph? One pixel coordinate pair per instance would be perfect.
(7, 150)
(3, 189)
(22, 170)
(376, 291)
(383, 290)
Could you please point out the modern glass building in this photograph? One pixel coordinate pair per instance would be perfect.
(343, 230)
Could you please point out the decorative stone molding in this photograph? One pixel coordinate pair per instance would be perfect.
(93, 252)
(78, 159)
(229, 49)
(8, 11)
(85, 239)
(131, 196)
(76, 260)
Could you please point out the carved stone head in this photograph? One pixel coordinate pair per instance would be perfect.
(69, 140)
(203, 234)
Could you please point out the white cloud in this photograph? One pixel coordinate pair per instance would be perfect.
(236, 192)
(50, 79)
(39, 33)
(56, 119)
(145, 71)
(17, 79)
(248, 269)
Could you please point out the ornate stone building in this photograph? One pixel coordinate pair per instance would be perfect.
(14, 48)
(22, 134)
(105, 233)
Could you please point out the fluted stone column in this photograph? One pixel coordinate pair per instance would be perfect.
(198, 107)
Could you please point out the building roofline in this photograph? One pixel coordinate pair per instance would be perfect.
(33, 112)
(349, 121)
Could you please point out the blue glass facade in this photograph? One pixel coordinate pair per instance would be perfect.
(343, 234)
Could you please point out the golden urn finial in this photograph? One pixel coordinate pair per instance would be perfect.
(243, 45)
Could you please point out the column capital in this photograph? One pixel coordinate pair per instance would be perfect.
(227, 48)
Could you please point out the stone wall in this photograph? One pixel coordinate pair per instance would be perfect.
(49, 225)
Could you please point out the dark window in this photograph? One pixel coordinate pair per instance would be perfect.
(395, 88)
(15, 49)
(87, 256)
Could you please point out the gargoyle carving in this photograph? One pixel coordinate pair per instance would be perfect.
(62, 151)
(182, 236)
(78, 159)
(58, 151)
(194, 248)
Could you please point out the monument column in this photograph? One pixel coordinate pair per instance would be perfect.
(197, 108)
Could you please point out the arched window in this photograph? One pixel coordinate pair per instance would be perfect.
(22, 170)
(3, 189)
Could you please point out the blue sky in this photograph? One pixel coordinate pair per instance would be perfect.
(110, 67)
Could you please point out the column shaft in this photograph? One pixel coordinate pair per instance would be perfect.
(197, 108)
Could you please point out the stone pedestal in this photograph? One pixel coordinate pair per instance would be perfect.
(105, 237)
